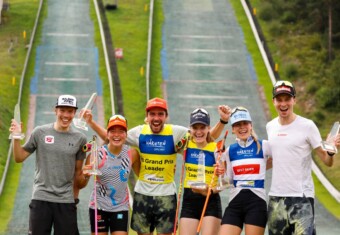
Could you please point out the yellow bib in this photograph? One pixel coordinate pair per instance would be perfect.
(157, 155)
(192, 163)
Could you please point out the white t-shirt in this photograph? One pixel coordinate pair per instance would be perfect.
(291, 147)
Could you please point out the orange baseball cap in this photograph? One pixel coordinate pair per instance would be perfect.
(117, 120)
(157, 103)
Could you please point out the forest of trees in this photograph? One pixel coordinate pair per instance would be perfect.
(304, 38)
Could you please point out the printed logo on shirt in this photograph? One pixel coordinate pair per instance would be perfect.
(282, 134)
(49, 139)
(247, 169)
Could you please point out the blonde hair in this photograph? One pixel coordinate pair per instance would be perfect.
(253, 134)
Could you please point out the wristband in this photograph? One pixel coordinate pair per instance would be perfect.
(223, 122)
(76, 201)
(330, 154)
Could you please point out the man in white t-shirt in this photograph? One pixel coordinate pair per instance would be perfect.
(292, 139)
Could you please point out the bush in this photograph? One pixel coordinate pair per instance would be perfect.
(288, 17)
(266, 13)
(291, 71)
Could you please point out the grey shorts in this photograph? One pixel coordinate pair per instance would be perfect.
(153, 212)
(291, 215)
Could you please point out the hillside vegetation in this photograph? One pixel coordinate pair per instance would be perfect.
(304, 39)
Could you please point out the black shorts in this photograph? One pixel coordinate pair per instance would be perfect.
(109, 221)
(246, 208)
(45, 215)
(193, 203)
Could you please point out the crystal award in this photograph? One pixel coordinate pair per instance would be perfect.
(94, 158)
(18, 135)
(329, 144)
(80, 122)
(199, 183)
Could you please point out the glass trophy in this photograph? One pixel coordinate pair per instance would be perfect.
(223, 180)
(94, 158)
(18, 120)
(329, 144)
(80, 122)
(199, 183)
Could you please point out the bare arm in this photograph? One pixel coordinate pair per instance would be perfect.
(327, 158)
(94, 125)
(80, 180)
(224, 112)
(135, 161)
(19, 153)
(269, 164)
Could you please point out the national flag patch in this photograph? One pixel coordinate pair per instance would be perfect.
(49, 139)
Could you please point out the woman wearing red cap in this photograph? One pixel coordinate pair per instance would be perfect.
(154, 206)
(115, 162)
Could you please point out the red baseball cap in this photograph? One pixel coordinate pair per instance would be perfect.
(117, 120)
(157, 103)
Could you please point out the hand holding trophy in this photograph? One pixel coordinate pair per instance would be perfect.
(92, 168)
(330, 145)
(15, 128)
(80, 122)
(223, 180)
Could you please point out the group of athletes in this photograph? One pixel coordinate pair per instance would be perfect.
(150, 150)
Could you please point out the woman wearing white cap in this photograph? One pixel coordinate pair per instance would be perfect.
(246, 168)
(201, 150)
(115, 162)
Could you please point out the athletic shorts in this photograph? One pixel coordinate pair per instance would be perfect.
(45, 215)
(109, 221)
(153, 212)
(246, 208)
(291, 215)
(193, 203)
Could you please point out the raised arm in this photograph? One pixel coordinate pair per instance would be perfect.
(94, 125)
(224, 112)
(19, 153)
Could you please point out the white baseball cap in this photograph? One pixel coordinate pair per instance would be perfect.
(66, 101)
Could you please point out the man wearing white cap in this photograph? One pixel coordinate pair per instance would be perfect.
(59, 160)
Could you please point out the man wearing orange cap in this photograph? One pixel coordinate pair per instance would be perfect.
(154, 204)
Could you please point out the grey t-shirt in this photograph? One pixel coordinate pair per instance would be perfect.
(56, 155)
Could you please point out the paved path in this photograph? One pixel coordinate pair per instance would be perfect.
(66, 62)
(205, 63)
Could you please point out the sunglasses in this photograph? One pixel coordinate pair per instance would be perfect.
(200, 110)
(117, 116)
(239, 108)
(283, 83)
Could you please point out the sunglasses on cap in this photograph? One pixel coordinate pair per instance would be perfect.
(283, 83)
(117, 116)
(239, 108)
(200, 110)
